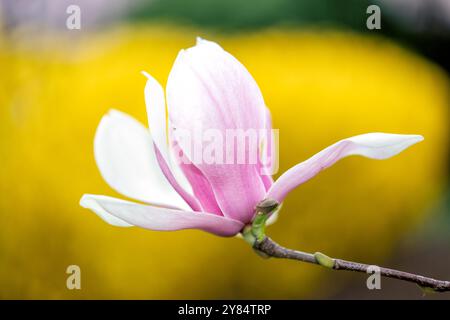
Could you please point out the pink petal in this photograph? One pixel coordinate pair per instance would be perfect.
(125, 213)
(268, 162)
(203, 190)
(371, 145)
(192, 201)
(209, 89)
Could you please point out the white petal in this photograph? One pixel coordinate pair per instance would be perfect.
(90, 202)
(157, 218)
(371, 145)
(156, 112)
(126, 159)
(381, 145)
(157, 121)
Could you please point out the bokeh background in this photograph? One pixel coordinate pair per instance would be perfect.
(323, 74)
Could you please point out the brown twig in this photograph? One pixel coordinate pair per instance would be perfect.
(272, 249)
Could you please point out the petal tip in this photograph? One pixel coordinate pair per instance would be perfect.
(110, 115)
(150, 78)
(113, 113)
(414, 138)
(88, 201)
(84, 201)
(201, 43)
(199, 40)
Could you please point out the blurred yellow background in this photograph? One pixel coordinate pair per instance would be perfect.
(321, 86)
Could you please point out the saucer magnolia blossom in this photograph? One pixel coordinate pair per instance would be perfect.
(208, 88)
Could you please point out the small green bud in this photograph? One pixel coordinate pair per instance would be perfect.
(267, 206)
(256, 231)
(324, 260)
(426, 290)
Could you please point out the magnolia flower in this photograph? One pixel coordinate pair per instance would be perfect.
(208, 88)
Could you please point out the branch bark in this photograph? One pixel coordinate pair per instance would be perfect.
(272, 249)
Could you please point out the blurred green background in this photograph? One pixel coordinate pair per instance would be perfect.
(324, 76)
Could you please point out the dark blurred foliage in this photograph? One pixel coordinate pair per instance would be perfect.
(236, 15)
(426, 31)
